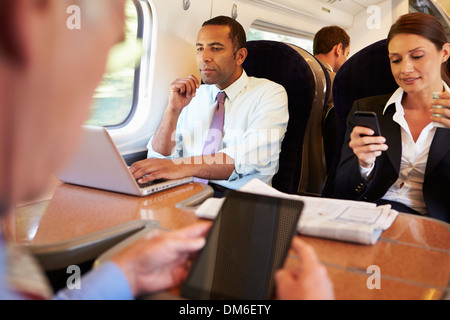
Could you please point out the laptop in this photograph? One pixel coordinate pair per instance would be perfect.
(98, 164)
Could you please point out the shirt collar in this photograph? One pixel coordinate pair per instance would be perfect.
(396, 99)
(236, 87)
(326, 65)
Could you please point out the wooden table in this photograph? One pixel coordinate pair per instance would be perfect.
(412, 256)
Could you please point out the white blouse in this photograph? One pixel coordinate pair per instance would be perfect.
(408, 187)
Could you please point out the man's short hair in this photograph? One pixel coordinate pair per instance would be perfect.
(327, 37)
(237, 32)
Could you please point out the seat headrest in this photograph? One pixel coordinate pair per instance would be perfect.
(367, 73)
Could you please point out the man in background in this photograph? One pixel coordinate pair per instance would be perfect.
(331, 47)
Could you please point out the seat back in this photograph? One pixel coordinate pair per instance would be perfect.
(367, 73)
(313, 172)
(329, 132)
(282, 64)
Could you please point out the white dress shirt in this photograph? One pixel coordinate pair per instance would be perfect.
(408, 187)
(256, 116)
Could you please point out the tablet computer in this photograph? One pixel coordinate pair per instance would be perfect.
(247, 243)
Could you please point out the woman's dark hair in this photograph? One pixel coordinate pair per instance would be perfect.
(426, 26)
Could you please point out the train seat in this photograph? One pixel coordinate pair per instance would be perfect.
(314, 173)
(282, 64)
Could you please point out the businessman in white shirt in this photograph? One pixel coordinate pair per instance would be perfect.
(255, 120)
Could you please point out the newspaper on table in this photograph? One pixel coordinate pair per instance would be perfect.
(345, 220)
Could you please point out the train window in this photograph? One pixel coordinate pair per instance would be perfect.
(264, 31)
(114, 99)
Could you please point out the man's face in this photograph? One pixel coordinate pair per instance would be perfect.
(218, 61)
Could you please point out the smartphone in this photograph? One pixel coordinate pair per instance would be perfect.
(367, 119)
(247, 243)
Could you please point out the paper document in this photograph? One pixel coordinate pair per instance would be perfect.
(346, 220)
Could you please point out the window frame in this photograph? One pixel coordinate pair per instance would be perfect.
(137, 73)
(267, 27)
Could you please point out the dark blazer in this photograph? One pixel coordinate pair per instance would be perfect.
(436, 186)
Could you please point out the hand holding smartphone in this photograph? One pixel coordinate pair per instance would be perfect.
(367, 148)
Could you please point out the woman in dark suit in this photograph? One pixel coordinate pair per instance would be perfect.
(408, 166)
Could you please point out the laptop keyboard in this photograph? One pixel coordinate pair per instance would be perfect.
(150, 183)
